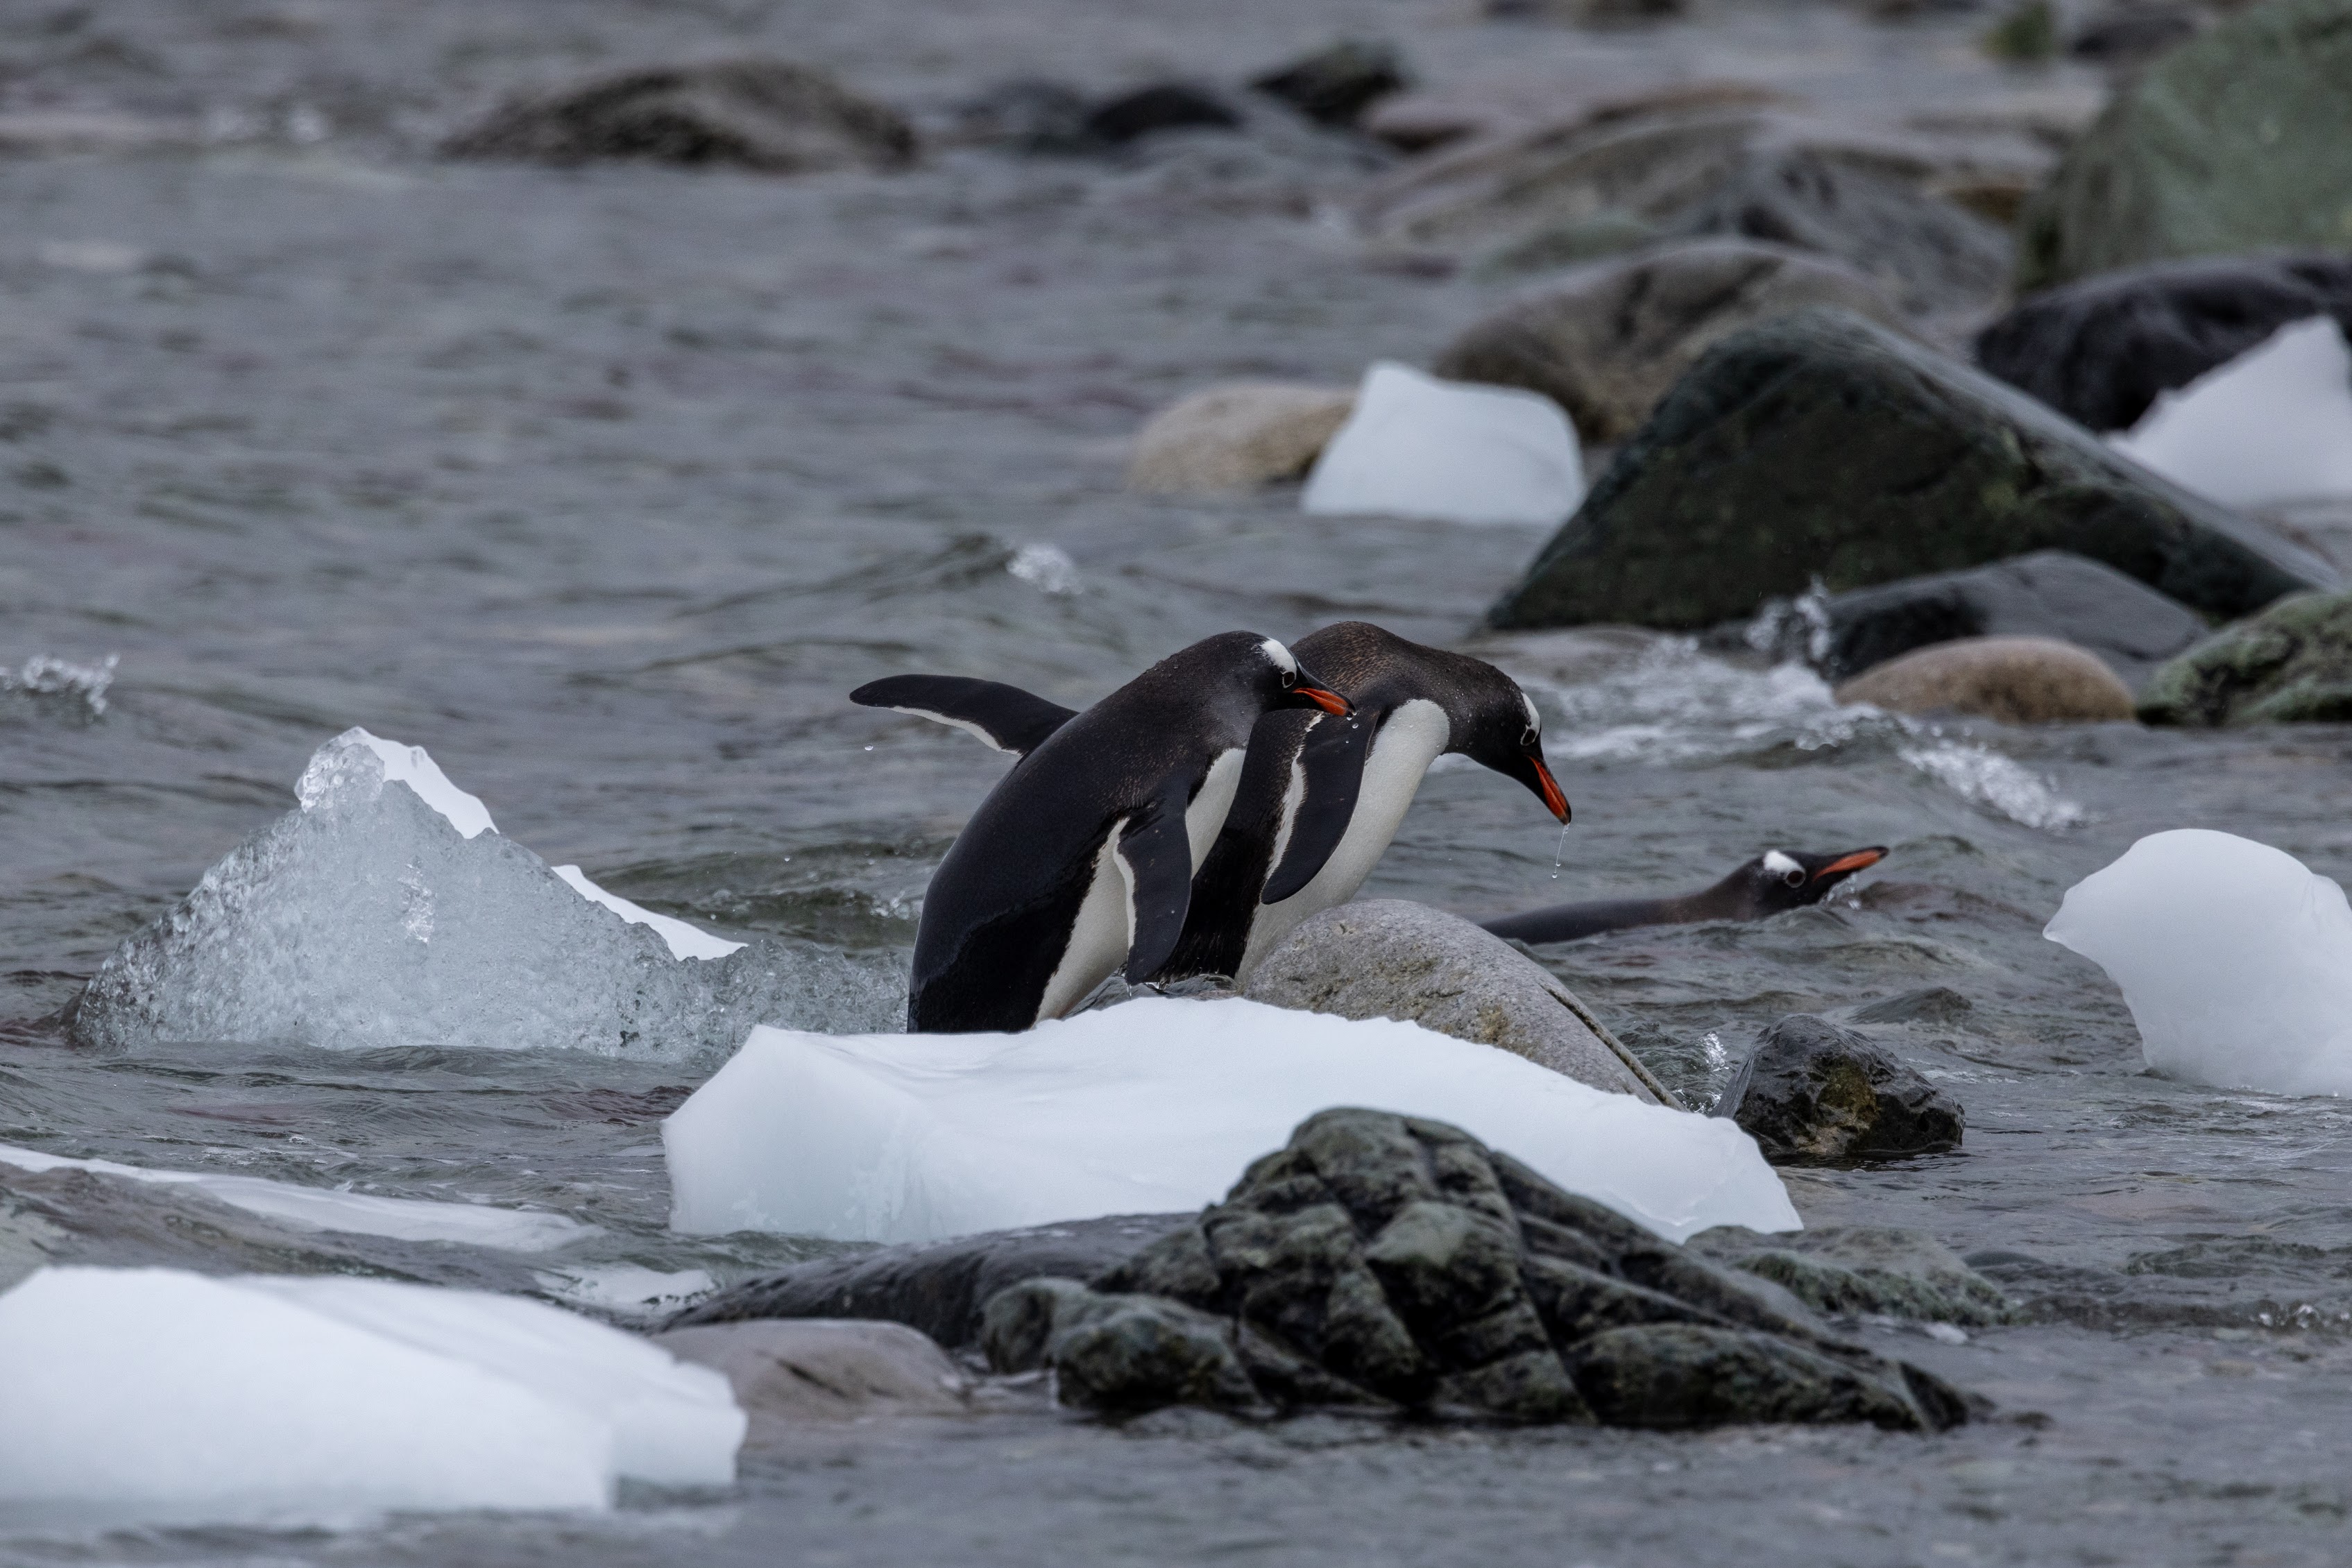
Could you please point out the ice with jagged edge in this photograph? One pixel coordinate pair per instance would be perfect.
(377, 916)
(157, 1395)
(1449, 451)
(1154, 1105)
(2272, 425)
(2234, 958)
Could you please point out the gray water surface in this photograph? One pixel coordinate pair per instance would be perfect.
(605, 485)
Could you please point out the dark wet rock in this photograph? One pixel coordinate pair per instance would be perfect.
(1856, 1270)
(1813, 1094)
(770, 115)
(1162, 106)
(2025, 34)
(2099, 351)
(815, 1370)
(1029, 115)
(2049, 593)
(1928, 1004)
(1821, 446)
(1387, 1262)
(1932, 254)
(2235, 142)
(2016, 680)
(1334, 86)
(2293, 662)
(938, 1287)
(1606, 341)
(2133, 33)
(1389, 958)
(1237, 435)
(1417, 122)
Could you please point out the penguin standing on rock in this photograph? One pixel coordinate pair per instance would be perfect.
(1320, 795)
(1080, 862)
(1776, 880)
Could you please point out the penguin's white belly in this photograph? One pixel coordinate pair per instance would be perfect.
(1104, 928)
(1414, 736)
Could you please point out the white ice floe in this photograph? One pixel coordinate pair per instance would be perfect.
(1417, 447)
(378, 917)
(358, 1213)
(1154, 1105)
(157, 1395)
(2272, 425)
(2234, 958)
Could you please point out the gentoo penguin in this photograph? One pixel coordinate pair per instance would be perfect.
(1321, 796)
(1775, 880)
(1081, 858)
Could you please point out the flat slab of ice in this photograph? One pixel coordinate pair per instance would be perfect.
(2236, 959)
(389, 911)
(1153, 1105)
(358, 1213)
(1417, 447)
(157, 1393)
(2272, 425)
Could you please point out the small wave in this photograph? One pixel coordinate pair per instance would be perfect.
(1675, 705)
(44, 675)
(1046, 567)
(1982, 776)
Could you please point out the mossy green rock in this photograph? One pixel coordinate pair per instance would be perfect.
(2294, 661)
(2238, 142)
(1821, 445)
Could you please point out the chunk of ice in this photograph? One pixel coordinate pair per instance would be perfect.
(156, 1394)
(1153, 1105)
(2234, 958)
(2272, 425)
(358, 1213)
(375, 917)
(1419, 447)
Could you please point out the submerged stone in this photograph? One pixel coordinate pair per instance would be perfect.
(1334, 86)
(783, 1374)
(1389, 1262)
(1823, 447)
(1813, 1094)
(2291, 663)
(2238, 142)
(770, 115)
(1852, 1270)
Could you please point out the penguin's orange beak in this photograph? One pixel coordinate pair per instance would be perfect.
(1555, 799)
(1847, 865)
(1331, 703)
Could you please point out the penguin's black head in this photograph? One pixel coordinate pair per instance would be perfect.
(1789, 879)
(1285, 683)
(1496, 725)
(1246, 675)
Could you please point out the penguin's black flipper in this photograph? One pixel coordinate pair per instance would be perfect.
(1006, 717)
(1157, 849)
(1333, 757)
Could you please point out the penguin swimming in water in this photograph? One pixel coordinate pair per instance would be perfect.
(1321, 796)
(1775, 880)
(1080, 861)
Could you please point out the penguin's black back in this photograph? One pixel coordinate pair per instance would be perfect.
(998, 915)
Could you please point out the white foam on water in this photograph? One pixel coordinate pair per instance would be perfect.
(376, 917)
(1421, 448)
(1153, 1105)
(358, 1213)
(2234, 958)
(154, 1394)
(2272, 425)
(1984, 777)
(1046, 568)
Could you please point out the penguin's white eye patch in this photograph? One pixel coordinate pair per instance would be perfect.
(1535, 720)
(1781, 864)
(1281, 657)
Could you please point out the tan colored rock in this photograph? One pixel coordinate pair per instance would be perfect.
(1237, 435)
(1389, 958)
(789, 1371)
(2017, 680)
(1606, 341)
